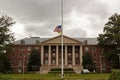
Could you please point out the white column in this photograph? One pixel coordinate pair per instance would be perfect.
(81, 54)
(42, 57)
(57, 55)
(49, 58)
(73, 55)
(66, 56)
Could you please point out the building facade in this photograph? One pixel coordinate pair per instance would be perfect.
(50, 51)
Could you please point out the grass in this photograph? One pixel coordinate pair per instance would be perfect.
(56, 76)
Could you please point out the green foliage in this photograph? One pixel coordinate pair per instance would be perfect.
(58, 71)
(56, 76)
(111, 35)
(1, 77)
(115, 75)
(4, 64)
(34, 61)
(6, 38)
(88, 62)
(109, 41)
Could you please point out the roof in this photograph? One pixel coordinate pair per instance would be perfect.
(32, 40)
(66, 40)
(90, 41)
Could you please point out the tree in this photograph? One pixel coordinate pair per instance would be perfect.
(109, 41)
(6, 38)
(4, 64)
(88, 62)
(115, 75)
(34, 61)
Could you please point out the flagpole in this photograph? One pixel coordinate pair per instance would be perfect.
(62, 71)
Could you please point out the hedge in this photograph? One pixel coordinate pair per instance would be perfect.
(115, 75)
(59, 69)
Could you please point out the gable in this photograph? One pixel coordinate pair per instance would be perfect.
(57, 40)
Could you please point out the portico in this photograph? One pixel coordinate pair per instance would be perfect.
(51, 53)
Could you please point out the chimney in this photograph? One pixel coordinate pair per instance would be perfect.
(85, 42)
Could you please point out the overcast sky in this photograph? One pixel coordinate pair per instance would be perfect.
(82, 18)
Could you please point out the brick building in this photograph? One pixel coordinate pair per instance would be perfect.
(50, 51)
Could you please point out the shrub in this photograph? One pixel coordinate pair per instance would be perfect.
(2, 77)
(58, 71)
(115, 75)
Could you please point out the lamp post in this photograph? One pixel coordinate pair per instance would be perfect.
(100, 63)
(119, 60)
(23, 64)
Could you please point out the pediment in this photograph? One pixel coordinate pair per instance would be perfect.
(57, 40)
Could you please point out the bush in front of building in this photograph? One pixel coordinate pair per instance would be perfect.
(34, 61)
(115, 75)
(4, 64)
(3, 77)
(58, 71)
(88, 62)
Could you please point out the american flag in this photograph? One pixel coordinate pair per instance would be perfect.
(58, 29)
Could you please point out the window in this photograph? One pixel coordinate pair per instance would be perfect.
(103, 63)
(28, 54)
(46, 62)
(86, 49)
(53, 49)
(21, 49)
(53, 61)
(95, 62)
(76, 55)
(46, 54)
(60, 61)
(20, 63)
(19, 70)
(69, 61)
(37, 41)
(69, 54)
(36, 48)
(13, 49)
(20, 54)
(22, 42)
(12, 54)
(94, 48)
(27, 61)
(104, 68)
(11, 62)
(53, 54)
(76, 49)
(76, 61)
(94, 55)
(29, 48)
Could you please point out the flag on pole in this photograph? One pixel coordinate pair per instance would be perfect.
(58, 29)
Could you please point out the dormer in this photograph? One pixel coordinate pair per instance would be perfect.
(22, 41)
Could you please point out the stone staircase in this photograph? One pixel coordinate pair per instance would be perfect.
(78, 69)
(44, 69)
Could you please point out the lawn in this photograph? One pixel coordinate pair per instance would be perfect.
(55, 77)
